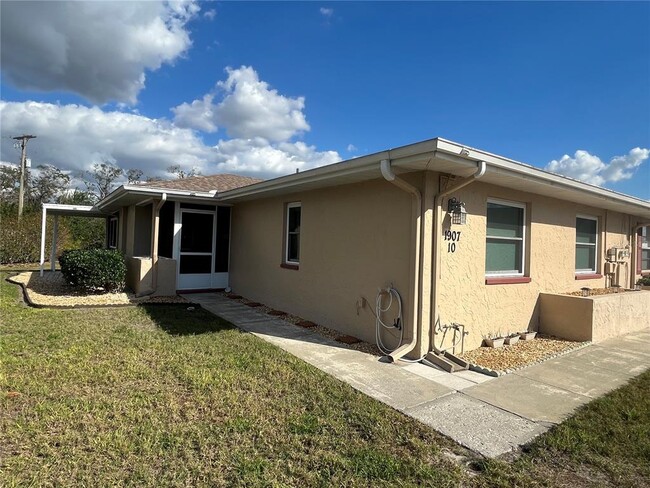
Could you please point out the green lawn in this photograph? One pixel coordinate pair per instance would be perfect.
(160, 396)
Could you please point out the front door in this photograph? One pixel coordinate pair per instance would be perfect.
(196, 253)
(204, 248)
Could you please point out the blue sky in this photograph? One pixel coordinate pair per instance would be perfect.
(312, 83)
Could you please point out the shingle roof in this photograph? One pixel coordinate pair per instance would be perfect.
(219, 183)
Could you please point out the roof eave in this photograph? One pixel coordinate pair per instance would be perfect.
(113, 198)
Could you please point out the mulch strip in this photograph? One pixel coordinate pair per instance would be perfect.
(277, 313)
(348, 339)
(253, 304)
(306, 324)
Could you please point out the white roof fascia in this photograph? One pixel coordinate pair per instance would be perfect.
(498, 164)
(328, 172)
(150, 192)
(65, 209)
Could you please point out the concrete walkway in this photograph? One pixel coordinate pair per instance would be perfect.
(490, 416)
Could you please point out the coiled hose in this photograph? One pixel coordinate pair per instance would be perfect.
(379, 310)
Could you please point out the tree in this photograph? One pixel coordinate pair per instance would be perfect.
(177, 170)
(9, 181)
(48, 184)
(134, 175)
(77, 197)
(101, 178)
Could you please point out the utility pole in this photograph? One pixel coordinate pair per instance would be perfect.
(23, 158)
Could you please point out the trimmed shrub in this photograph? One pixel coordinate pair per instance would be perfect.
(94, 269)
(645, 281)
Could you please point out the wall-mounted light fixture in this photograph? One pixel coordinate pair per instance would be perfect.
(457, 211)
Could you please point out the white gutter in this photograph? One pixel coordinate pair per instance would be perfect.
(388, 174)
(437, 257)
(151, 192)
(510, 167)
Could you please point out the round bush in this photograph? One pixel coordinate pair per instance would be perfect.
(94, 269)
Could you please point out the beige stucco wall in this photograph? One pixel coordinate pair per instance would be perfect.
(594, 318)
(139, 276)
(566, 316)
(137, 230)
(464, 296)
(619, 314)
(354, 239)
(142, 231)
(166, 280)
(357, 238)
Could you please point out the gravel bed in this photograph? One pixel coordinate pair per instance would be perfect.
(599, 291)
(52, 290)
(523, 353)
(319, 329)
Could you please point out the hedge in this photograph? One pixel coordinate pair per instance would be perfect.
(20, 240)
(94, 269)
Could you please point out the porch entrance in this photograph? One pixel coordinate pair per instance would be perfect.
(204, 248)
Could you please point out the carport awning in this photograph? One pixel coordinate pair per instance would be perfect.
(73, 210)
(57, 209)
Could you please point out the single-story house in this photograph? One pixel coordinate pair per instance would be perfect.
(463, 236)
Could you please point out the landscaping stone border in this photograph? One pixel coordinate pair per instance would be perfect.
(491, 372)
(28, 301)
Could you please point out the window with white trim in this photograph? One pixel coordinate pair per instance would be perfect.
(586, 244)
(292, 238)
(505, 242)
(111, 233)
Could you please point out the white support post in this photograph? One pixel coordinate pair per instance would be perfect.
(55, 236)
(43, 224)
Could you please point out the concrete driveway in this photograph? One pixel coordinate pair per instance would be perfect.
(490, 416)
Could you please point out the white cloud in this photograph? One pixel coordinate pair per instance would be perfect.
(258, 157)
(249, 108)
(326, 12)
(590, 169)
(99, 50)
(200, 114)
(73, 137)
(210, 14)
(352, 148)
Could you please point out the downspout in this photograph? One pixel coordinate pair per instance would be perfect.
(154, 245)
(437, 258)
(416, 196)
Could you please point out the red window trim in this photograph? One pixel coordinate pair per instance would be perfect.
(507, 280)
(289, 266)
(589, 276)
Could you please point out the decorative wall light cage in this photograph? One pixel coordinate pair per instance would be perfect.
(457, 211)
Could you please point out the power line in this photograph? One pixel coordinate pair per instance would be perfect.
(23, 157)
